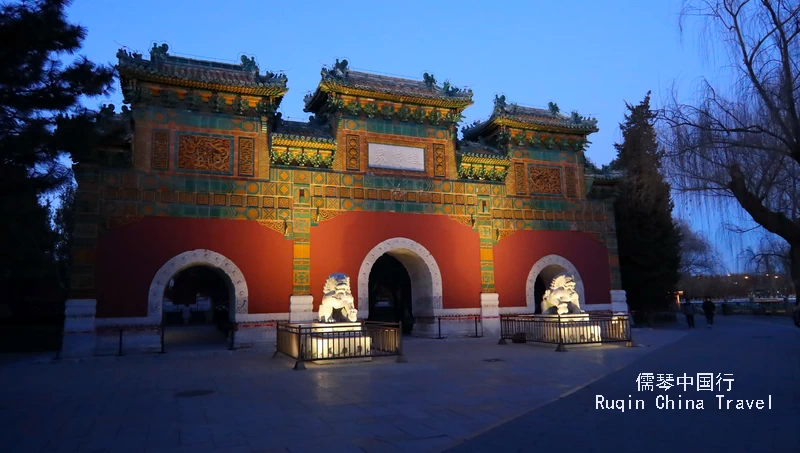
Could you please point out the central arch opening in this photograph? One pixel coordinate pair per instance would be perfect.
(197, 303)
(541, 277)
(390, 292)
(404, 267)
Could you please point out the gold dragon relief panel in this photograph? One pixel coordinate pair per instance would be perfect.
(439, 161)
(519, 178)
(353, 153)
(160, 155)
(545, 180)
(246, 156)
(205, 153)
(571, 182)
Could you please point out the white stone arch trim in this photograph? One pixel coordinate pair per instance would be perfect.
(199, 257)
(540, 265)
(399, 244)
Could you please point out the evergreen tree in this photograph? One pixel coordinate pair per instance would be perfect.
(41, 122)
(64, 224)
(649, 240)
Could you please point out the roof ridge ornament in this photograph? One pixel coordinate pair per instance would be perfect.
(249, 64)
(450, 90)
(553, 107)
(339, 70)
(500, 103)
(124, 53)
(578, 119)
(159, 52)
(430, 80)
(470, 126)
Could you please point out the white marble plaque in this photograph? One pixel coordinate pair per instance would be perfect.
(396, 157)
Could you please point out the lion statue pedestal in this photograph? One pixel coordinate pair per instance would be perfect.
(337, 331)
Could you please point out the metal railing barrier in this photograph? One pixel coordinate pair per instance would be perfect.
(304, 342)
(563, 330)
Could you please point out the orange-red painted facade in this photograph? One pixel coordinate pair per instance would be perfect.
(129, 257)
(341, 245)
(515, 255)
(211, 166)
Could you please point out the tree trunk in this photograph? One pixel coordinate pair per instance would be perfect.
(794, 255)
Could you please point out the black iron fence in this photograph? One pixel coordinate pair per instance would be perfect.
(305, 342)
(753, 306)
(475, 323)
(776, 307)
(566, 329)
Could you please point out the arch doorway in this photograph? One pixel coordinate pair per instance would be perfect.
(196, 296)
(390, 292)
(399, 280)
(541, 276)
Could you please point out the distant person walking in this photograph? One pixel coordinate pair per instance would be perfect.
(688, 310)
(709, 308)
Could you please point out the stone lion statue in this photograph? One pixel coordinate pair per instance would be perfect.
(561, 298)
(337, 296)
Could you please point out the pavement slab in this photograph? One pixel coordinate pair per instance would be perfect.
(762, 355)
(220, 400)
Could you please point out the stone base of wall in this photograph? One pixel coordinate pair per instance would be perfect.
(619, 301)
(78, 345)
(79, 328)
(301, 308)
(134, 341)
(255, 334)
(490, 314)
(455, 322)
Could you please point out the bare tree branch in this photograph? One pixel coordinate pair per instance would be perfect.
(743, 142)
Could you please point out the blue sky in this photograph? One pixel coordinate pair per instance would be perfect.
(589, 56)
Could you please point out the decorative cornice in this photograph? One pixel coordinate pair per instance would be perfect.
(596, 236)
(298, 141)
(210, 86)
(484, 159)
(504, 233)
(528, 118)
(464, 220)
(322, 158)
(117, 221)
(335, 87)
(536, 126)
(162, 68)
(277, 225)
(327, 214)
(482, 166)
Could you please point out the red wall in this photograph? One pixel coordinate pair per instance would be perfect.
(342, 243)
(515, 255)
(129, 257)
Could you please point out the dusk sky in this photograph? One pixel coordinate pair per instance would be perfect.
(589, 56)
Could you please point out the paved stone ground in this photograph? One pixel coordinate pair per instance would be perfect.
(446, 393)
(762, 353)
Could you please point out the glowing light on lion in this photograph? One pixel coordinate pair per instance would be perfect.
(337, 296)
(561, 298)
